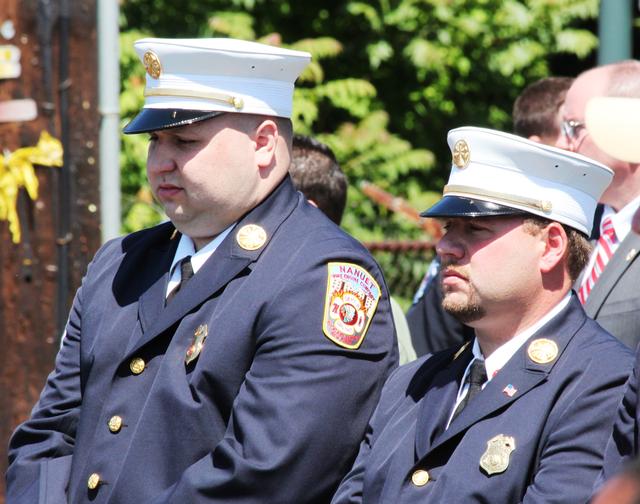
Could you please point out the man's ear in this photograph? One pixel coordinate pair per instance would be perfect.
(555, 246)
(266, 140)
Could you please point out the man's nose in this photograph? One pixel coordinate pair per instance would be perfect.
(159, 160)
(449, 248)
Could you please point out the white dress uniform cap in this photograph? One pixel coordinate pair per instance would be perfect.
(614, 126)
(189, 80)
(496, 173)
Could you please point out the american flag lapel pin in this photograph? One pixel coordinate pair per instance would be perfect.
(510, 390)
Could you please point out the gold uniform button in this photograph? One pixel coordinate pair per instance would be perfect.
(420, 477)
(93, 481)
(137, 365)
(115, 423)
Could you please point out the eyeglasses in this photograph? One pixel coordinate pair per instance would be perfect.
(572, 129)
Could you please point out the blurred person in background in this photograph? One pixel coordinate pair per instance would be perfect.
(536, 111)
(613, 125)
(608, 288)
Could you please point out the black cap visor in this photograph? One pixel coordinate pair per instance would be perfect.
(459, 206)
(150, 119)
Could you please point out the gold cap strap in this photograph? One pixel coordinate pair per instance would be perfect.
(544, 205)
(236, 101)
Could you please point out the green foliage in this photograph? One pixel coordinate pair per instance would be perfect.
(234, 24)
(388, 79)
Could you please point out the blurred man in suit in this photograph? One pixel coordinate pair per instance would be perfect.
(609, 286)
(613, 125)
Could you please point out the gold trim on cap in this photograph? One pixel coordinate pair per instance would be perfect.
(543, 205)
(235, 101)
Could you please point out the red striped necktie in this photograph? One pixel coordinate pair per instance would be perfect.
(607, 244)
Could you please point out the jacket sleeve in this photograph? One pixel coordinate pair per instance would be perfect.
(622, 446)
(41, 448)
(351, 489)
(303, 408)
(571, 456)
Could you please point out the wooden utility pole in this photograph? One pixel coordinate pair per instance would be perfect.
(48, 83)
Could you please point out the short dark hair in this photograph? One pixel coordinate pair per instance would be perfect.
(535, 111)
(317, 174)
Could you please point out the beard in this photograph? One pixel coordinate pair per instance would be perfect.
(466, 308)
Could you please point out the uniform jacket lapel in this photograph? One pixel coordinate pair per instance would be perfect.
(626, 253)
(142, 274)
(224, 264)
(442, 390)
(520, 372)
(151, 302)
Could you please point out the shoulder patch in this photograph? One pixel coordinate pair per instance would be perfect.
(351, 300)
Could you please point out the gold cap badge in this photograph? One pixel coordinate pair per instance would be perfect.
(251, 237)
(152, 64)
(542, 351)
(496, 459)
(461, 154)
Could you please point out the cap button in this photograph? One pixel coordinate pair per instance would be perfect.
(420, 477)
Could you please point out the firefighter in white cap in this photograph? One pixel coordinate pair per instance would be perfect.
(234, 353)
(521, 413)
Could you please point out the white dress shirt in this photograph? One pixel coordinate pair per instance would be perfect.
(186, 248)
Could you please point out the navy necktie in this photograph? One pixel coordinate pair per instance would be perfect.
(476, 377)
(186, 272)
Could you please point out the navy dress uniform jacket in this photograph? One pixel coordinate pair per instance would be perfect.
(624, 443)
(271, 411)
(559, 416)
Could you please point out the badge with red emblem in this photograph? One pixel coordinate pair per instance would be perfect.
(352, 298)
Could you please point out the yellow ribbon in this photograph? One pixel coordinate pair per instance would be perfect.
(17, 171)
